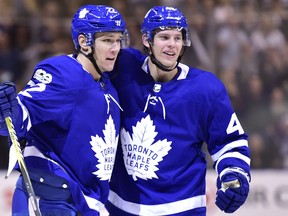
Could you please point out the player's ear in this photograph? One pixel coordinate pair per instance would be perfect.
(83, 44)
(145, 40)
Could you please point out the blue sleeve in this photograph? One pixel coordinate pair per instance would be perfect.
(227, 141)
(40, 98)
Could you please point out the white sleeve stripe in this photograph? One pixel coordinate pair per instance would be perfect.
(233, 155)
(26, 115)
(228, 147)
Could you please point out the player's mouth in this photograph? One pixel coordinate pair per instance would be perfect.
(169, 53)
(111, 59)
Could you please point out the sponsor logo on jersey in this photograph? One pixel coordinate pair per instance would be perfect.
(141, 153)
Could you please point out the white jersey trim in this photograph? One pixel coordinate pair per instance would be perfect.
(184, 71)
(34, 151)
(91, 202)
(228, 147)
(160, 209)
(237, 155)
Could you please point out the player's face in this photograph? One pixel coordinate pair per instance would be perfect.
(167, 46)
(107, 46)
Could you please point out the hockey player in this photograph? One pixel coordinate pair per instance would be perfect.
(169, 111)
(69, 116)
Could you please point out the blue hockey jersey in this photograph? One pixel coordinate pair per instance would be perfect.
(160, 167)
(71, 123)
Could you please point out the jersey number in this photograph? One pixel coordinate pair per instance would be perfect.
(39, 87)
(234, 125)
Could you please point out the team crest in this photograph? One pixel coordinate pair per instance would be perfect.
(105, 150)
(141, 153)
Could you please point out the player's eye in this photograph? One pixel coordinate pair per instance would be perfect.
(108, 40)
(178, 38)
(164, 37)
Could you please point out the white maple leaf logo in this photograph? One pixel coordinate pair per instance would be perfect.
(141, 154)
(83, 13)
(105, 150)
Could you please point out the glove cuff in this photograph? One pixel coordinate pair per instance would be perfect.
(233, 170)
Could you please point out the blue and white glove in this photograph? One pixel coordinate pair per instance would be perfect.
(8, 100)
(233, 189)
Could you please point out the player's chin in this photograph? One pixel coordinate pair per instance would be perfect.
(170, 65)
(171, 62)
(109, 66)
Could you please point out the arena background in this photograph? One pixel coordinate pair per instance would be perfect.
(244, 42)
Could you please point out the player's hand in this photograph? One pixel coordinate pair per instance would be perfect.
(8, 100)
(233, 189)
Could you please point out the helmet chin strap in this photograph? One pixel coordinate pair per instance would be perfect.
(159, 64)
(91, 58)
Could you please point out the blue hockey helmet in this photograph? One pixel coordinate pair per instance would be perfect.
(91, 19)
(162, 18)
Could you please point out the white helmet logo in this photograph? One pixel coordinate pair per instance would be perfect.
(83, 13)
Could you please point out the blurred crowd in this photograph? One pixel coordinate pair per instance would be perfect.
(244, 42)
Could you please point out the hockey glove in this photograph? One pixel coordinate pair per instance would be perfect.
(8, 100)
(233, 189)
